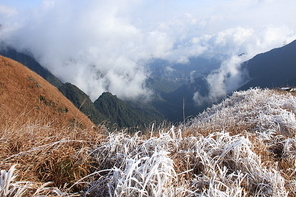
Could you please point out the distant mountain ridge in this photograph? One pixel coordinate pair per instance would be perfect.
(82, 102)
(110, 110)
(130, 116)
(174, 100)
(274, 68)
(125, 114)
(32, 64)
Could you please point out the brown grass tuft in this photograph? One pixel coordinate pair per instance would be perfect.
(44, 153)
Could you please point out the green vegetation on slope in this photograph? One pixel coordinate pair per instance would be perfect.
(160, 85)
(82, 102)
(110, 110)
(124, 114)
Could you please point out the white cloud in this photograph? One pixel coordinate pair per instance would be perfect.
(239, 45)
(7, 11)
(104, 45)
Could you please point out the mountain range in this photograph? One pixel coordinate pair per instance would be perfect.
(104, 110)
(274, 68)
(271, 69)
(174, 86)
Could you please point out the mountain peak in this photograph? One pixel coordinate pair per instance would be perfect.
(272, 69)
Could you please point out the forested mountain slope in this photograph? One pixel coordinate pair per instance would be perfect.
(272, 69)
(82, 102)
(126, 114)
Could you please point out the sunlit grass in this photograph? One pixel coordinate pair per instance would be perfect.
(244, 146)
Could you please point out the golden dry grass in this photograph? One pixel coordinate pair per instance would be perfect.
(44, 153)
(41, 131)
(25, 97)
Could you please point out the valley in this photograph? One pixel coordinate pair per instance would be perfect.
(174, 87)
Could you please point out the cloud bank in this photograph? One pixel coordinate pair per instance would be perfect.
(239, 45)
(104, 46)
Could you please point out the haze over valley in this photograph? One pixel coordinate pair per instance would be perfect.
(115, 46)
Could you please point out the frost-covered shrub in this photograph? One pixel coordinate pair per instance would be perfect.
(213, 155)
(264, 112)
(171, 165)
(9, 186)
(139, 167)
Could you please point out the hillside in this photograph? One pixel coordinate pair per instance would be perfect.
(244, 146)
(31, 63)
(142, 114)
(272, 69)
(25, 96)
(126, 114)
(82, 102)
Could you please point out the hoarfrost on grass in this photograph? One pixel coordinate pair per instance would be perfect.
(186, 161)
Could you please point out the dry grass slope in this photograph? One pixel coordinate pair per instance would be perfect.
(41, 131)
(25, 96)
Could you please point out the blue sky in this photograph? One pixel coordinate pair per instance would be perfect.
(21, 4)
(103, 45)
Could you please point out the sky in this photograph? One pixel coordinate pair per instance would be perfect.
(21, 5)
(106, 45)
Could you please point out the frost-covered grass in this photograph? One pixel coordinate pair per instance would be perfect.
(169, 165)
(244, 146)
